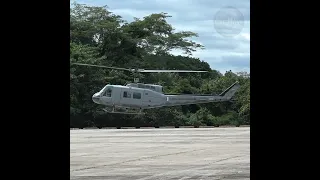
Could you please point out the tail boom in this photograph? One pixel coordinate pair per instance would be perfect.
(176, 100)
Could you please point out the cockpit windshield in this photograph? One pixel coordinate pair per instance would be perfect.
(107, 91)
(102, 90)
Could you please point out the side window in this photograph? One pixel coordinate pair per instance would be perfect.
(136, 95)
(126, 94)
(153, 88)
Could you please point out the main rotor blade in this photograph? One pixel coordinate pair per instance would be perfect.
(186, 71)
(138, 70)
(102, 66)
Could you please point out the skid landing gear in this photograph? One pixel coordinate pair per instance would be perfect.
(115, 110)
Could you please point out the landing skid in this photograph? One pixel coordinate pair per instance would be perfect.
(122, 111)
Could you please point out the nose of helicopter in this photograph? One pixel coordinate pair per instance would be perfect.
(95, 98)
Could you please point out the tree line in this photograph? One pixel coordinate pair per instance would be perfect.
(97, 36)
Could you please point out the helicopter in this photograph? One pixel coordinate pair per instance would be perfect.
(135, 98)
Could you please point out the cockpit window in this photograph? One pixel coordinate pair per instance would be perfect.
(107, 93)
(102, 90)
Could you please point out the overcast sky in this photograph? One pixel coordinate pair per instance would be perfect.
(200, 16)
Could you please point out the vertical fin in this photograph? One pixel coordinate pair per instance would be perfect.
(230, 91)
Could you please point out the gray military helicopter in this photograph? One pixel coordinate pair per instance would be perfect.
(134, 98)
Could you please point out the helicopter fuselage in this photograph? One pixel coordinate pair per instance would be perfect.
(139, 96)
(130, 97)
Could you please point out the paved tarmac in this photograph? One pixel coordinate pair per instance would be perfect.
(154, 154)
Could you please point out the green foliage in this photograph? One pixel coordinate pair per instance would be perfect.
(97, 36)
